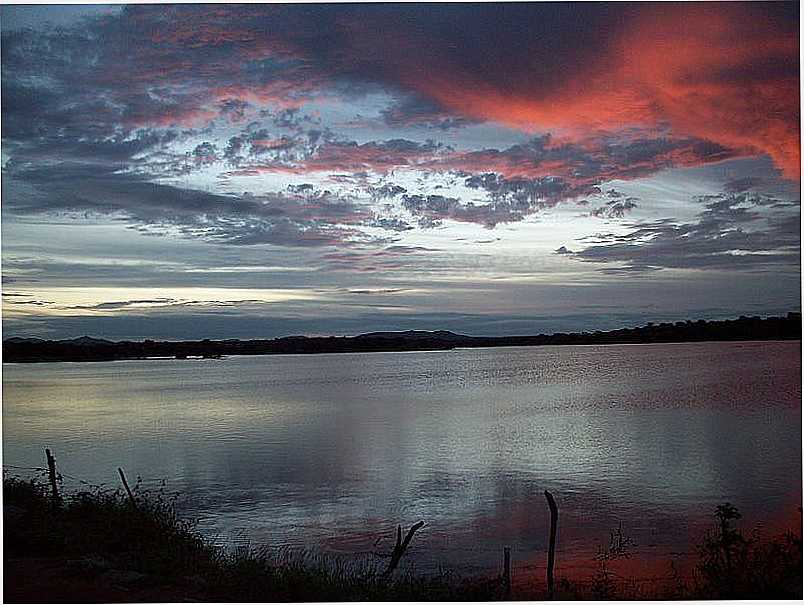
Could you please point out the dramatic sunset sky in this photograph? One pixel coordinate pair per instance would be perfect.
(216, 171)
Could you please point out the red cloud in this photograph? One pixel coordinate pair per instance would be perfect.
(723, 72)
(581, 165)
(715, 71)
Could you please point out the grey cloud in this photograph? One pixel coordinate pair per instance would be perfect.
(233, 148)
(742, 184)
(616, 208)
(234, 109)
(245, 220)
(206, 153)
(390, 224)
(432, 209)
(303, 188)
(164, 303)
(412, 110)
(730, 233)
(386, 191)
(110, 306)
(527, 195)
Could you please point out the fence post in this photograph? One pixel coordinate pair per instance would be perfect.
(54, 486)
(551, 553)
(507, 570)
(125, 484)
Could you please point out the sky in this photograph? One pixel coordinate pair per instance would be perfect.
(260, 170)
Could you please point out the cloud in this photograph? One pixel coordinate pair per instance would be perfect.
(116, 101)
(723, 73)
(617, 206)
(116, 305)
(412, 110)
(742, 184)
(380, 157)
(590, 163)
(158, 304)
(727, 74)
(432, 209)
(519, 180)
(540, 157)
(732, 232)
(319, 219)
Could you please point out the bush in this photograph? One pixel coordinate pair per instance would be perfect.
(734, 566)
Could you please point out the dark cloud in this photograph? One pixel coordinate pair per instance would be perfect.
(412, 110)
(112, 306)
(25, 299)
(101, 116)
(526, 195)
(586, 164)
(390, 224)
(162, 303)
(206, 153)
(552, 65)
(122, 89)
(432, 209)
(386, 191)
(234, 109)
(525, 178)
(616, 208)
(83, 189)
(742, 184)
(339, 156)
(731, 233)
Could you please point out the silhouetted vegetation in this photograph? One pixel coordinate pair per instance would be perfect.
(101, 544)
(733, 566)
(92, 349)
(103, 547)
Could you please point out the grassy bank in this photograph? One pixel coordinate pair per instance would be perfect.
(98, 546)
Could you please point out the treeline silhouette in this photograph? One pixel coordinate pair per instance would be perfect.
(92, 349)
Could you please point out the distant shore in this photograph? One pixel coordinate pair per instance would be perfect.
(33, 350)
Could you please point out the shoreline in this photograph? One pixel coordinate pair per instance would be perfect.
(402, 351)
(103, 546)
(775, 329)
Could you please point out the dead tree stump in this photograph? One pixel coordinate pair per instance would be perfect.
(401, 546)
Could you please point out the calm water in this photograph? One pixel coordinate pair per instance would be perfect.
(329, 452)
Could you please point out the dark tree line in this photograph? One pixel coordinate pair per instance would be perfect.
(89, 349)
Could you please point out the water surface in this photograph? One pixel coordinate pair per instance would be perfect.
(329, 452)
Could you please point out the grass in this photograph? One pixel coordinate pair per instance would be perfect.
(103, 539)
(100, 530)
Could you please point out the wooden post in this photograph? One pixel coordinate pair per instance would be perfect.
(125, 484)
(401, 545)
(54, 486)
(551, 553)
(507, 570)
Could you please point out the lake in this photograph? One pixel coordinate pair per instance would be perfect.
(330, 452)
